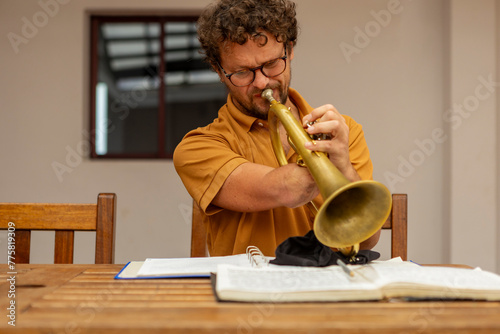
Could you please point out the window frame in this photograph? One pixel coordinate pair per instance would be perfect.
(95, 21)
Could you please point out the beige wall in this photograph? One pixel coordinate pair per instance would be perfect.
(397, 67)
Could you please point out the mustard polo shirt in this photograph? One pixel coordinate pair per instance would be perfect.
(207, 156)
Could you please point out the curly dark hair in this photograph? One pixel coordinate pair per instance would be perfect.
(237, 21)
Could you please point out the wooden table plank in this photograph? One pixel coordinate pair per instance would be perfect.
(36, 282)
(87, 298)
(267, 318)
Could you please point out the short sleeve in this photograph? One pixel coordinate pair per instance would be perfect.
(358, 150)
(203, 161)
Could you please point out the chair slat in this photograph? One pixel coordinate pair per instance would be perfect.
(23, 245)
(64, 247)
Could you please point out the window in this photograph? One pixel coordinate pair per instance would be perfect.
(149, 85)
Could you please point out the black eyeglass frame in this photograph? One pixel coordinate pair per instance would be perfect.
(253, 70)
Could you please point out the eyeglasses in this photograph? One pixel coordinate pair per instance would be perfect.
(270, 69)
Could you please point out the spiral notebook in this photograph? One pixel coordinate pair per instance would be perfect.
(190, 267)
(392, 279)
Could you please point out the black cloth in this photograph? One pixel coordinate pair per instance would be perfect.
(307, 251)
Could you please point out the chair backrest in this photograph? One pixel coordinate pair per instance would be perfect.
(396, 222)
(64, 219)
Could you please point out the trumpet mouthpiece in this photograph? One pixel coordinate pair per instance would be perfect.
(268, 95)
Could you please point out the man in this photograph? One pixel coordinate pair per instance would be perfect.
(229, 167)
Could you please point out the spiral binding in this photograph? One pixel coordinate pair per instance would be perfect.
(256, 258)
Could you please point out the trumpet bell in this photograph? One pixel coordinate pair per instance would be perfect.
(352, 214)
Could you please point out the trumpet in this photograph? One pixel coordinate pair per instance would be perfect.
(351, 211)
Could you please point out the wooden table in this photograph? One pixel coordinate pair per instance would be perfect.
(86, 298)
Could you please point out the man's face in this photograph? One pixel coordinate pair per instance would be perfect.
(237, 57)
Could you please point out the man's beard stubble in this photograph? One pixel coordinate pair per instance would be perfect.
(251, 109)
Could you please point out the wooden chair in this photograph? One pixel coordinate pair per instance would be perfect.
(397, 223)
(64, 219)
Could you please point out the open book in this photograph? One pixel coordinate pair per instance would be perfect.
(375, 281)
(190, 267)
